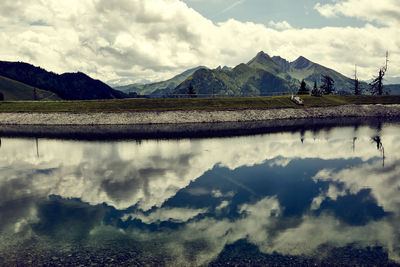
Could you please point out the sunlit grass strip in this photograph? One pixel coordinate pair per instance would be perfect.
(136, 105)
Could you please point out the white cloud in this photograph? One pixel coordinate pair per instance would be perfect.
(256, 220)
(383, 183)
(156, 39)
(124, 174)
(166, 214)
(280, 25)
(386, 12)
(282, 162)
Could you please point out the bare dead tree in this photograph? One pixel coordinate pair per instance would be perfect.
(376, 86)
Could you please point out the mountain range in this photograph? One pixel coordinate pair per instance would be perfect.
(262, 75)
(158, 88)
(68, 86)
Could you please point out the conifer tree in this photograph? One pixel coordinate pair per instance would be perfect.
(303, 88)
(315, 91)
(357, 89)
(191, 91)
(328, 85)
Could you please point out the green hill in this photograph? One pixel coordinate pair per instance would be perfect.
(14, 90)
(69, 86)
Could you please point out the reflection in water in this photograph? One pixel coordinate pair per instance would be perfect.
(379, 146)
(244, 200)
(37, 147)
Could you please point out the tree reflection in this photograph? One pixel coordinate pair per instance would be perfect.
(37, 147)
(377, 139)
(302, 133)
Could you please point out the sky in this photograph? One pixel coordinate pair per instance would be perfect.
(126, 41)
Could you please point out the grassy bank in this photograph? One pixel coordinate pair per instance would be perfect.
(189, 104)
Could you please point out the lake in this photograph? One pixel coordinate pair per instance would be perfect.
(327, 195)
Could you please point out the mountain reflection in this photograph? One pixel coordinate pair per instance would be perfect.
(193, 202)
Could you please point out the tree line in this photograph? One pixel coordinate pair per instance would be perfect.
(328, 84)
(327, 87)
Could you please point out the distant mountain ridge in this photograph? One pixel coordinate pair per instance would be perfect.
(393, 89)
(69, 86)
(262, 75)
(243, 80)
(159, 88)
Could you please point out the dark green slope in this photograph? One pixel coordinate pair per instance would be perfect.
(258, 81)
(14, 90)
(243, 80)
(282, 63)
(206, 82)
(158, 88)
(263, 75)
(303, 68)
(70, 86)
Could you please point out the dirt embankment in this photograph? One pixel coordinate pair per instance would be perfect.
(174, 117)
(192, 124)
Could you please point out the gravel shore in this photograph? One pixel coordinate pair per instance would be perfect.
(174, 117)
(189, 124)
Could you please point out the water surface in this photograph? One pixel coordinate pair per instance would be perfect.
(326, 196)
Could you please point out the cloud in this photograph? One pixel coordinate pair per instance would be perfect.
(125, 174)
(156, 39)
(144, 176)
(282, 162)
(386, 12)
(166, 214)
(384, 183)
(280, 25)
(214, 234)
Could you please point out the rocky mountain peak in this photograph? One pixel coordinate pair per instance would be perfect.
(301, 63)
(261, 58)
(283, 63)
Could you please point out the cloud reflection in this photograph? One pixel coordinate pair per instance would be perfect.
(141, 184)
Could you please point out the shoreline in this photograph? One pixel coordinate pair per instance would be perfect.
(193, 124)
(183, 117)
(189, 130)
